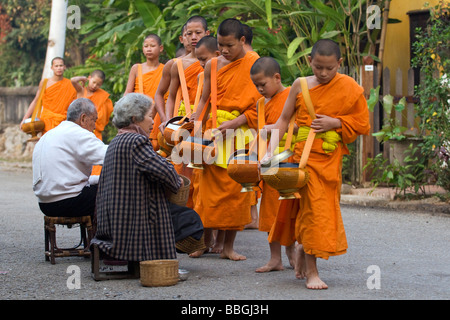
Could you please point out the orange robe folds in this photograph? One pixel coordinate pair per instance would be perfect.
(150, 81)
(104, 110)
(319, 226)
(270, 207)
(191, 75)
(221, 204)
(55, 102)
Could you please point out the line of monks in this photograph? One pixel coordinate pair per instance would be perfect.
(313, 222)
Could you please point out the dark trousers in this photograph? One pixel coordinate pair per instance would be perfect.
(81, 205)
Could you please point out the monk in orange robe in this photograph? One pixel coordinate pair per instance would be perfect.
(221, 205)
(195, 29)
(59, 94)
(101, 100)
(162, 92)
(266, 76)
(341, 114)
(144, 77)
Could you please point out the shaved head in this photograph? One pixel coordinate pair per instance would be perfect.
(326, 47)
(269, 66)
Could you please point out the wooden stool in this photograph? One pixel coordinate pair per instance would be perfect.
(86, 234)
(100, 271)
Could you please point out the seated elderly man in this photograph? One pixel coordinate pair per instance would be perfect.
(63, 160)
(134, 216)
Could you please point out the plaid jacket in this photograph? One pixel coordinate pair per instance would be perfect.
(133, 216)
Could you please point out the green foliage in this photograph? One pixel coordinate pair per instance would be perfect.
(392, 128)
(432, 51)
(25, 42)
(406, 177)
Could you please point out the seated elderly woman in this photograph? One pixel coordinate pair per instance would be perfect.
(134, 221)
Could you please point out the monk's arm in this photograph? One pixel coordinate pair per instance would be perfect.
(163, 86)
(205, 94)
(278, 129)
(131, 80)
(30, 110)
(173, 89)
(76, 83)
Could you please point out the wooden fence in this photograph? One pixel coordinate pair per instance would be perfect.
(367, 146)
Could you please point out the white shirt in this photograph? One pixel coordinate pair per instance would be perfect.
(63, 160)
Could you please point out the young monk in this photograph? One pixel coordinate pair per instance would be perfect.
(96, 94)
(341, 112)
(248, 34)
(205, 50)
(266, 75)
(100, 98)
(196, 28)
(150, 72)
(162, 92)
(221, 205)
(58, 95)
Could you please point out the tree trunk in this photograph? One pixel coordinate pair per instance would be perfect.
(56, 35)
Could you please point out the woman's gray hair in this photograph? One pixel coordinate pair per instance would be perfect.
(78, 107)
(131, 108)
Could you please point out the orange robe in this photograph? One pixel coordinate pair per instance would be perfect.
(220, 203)
(104, 110)
(55, 102)
(150, 81)
(319, 226)
(191, 75)
(270, 207)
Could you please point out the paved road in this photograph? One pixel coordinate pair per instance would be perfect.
(408, 251)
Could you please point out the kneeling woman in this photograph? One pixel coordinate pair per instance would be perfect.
(133, 216)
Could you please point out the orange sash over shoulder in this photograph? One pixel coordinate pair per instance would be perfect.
(147, 84)
(55, 102)
(236, 91)
(191, 75)
(221, 204)
(150, 81)
(319, 225)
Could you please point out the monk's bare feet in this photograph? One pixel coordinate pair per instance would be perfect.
(314, 282)
(300, 262)
(217, 248)
(312, 275)
(198, 253)
(232, 255)
(291, 253)
(252, 225)
(271, 266)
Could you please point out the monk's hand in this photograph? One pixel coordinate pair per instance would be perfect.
(266, 158)
(181, 182)
(324, 123)
(192, 117)
(162, 126)
(227, 125)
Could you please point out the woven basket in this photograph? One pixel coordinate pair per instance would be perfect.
(181, 197)
(159, 273)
